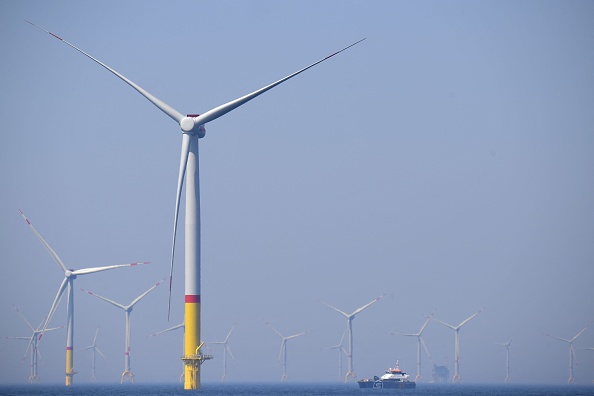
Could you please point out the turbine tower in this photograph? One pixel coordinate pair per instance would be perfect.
(507, 346)
(571, 380)
(420, 342)
(32, 345)
(68, 283)
(341, 351)
(127, 375)
(192, 127)
(457, 378)
(225, 350)
(283, 349)
(94, 348)
(350, 372)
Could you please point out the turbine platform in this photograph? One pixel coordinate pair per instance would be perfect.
(192, 363)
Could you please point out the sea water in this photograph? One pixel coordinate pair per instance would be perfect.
(269, 389)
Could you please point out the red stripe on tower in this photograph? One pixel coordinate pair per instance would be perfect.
(192, 298)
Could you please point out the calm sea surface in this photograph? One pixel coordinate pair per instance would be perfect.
(293, 389)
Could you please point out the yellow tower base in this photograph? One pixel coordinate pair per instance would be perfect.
(192, 370)
(69, 369)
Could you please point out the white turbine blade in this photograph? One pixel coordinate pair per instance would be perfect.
(164, 107)
(166, 330)
(280, 352)
(405, 334)
(30, 339)
(54, 328)
(85, 271)
(230, 353)
(104, 299)
(334, 308)
(85, 348)
(470, 317)
(425, 347)
(444, 323)
(227, 107)
(183, 163)
(22, 316)
(578, 334)
(367, 305)
(100, 353)
(297, 335)
(45, 244)
(425, 324)
(557, 338)
(54, 305)
(96, 334)
(275, 330)
(229, 335)
(145, 293)
(28, 346)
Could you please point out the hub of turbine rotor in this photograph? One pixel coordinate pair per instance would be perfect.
(188, 126)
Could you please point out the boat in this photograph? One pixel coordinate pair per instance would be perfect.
(394, 378)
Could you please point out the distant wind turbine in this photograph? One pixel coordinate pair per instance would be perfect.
(32, 345)
(350, 375)
(420, 342)
(341, 351)
(226, 350)
(69, 277)
(571, 380)
(283, 349)
(457, 378)
(507, 346)
(95, 349)
(127, 375)
(192, 126)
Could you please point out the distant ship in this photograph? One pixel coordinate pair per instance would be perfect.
(394, 378)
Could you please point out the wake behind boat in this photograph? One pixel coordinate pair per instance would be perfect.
(394, 378)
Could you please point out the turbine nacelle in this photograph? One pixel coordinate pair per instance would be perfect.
(188, 125)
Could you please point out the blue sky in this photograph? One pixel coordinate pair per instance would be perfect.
(446, 161)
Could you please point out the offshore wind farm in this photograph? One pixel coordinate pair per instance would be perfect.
(444, 161)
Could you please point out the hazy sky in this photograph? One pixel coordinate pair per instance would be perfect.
(446, 161)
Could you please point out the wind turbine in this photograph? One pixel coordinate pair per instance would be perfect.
(68, 282)
(192, 126)
(420, 342)
(507, 346)
(457, 378)
(32, 345)
(571, 380)
(283, 349)
(350, 373)
(179, 326)
(127, 375)
(225, 350)
(341, 351)
(94, 349)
